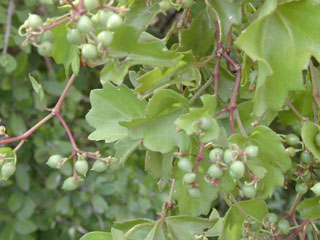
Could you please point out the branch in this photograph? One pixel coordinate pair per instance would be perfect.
(8, 28)
(314, 83)
(198, 158)
(55, 110)
(293, 108)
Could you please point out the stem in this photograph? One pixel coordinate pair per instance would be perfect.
(67, 129)
(293, 108)
(8, 27)
(19, 145)
(198, 158)
(80, 5)
(64, 93)
(142, 225)
(315, 114)
(232, 121)
(72, 5)
(57, 24)
(242, 130)
(292, 210)
(215, 75)
(201, 90)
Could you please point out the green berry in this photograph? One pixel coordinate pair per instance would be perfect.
(316, 189)
(249, 191)
(187, 4)
(48, 36)
(91, 4)
(317, 139)
(237, 170)
(104, 16)
(89, 51)
(165, 5)
(291, 152)
(297, 129)
(114, 21)
(205, 123)
(194, 192)
(82, 167)
(251, 151)
(189, 178)
(45, 48)
(301, 188)
(283, 226)
(185, 164)
(292, 139)
(105, 37)
(228, 155)
(271, 218)
(74, 36)
(215, 172)
(216, 154)
(84, 25)
(99, 166)
(8, 170)
(53, 161)
(69, 184)
(34, 21)
(307, 157)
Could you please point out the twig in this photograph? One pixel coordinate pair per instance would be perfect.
(72, 5)
(315, 113)
(8, 26)
(67, 129)
(19, 146)
(293, 108)
(198, 158)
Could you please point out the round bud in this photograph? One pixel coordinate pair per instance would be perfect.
(237, 170)
(317, 139)
(316, 189)
(82, 167)
(84, 25)
(89, 51)
(228, 156)
(91, 4)
(69, 184)
(48, 36)
(284, 226)
(307, 157)
(301, 188)
(251, 151)
(249, 191)
(271, 218)
(205, 123)
(215, 172)
(105, 37)
(8, 170)
(194, 192)
(189, 178)
(45, 48)
(185, 164)
(292, 139)
(104, 16)
(187, 4)
(53, 161)
(114, 21)
(34, 21)
(216, 154)
(74, 36)
(165, 5)
(291, 152)
(99, 166)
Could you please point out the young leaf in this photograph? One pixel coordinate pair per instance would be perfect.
(309, 208)
(97, 236)
(309, 131)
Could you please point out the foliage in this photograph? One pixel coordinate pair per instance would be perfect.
(202, 119)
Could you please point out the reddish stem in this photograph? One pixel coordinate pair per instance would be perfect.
(67, 129)
(198, 158)
(72, 5)
(293, 108)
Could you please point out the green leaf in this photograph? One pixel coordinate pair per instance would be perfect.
(64, 52)
(201, 34)
(109, 106)
(157, 128)
(234, 218)
(22, 177)
(185, 227)
(99, 204)
(278, 41)
(37, 88)
(158, 232)
(97, 236)
(309, 208)
(128, 224)
(63, 205)
(229, 13)
(159, 166)
(117, 234)
(16, 201)
(27, 210)
(25, 227)
(141, 14)
(8, 62)
(186, 121)
(124, 148)
(126, 44)
(309, 131)
(114, 72)
(53, 180)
